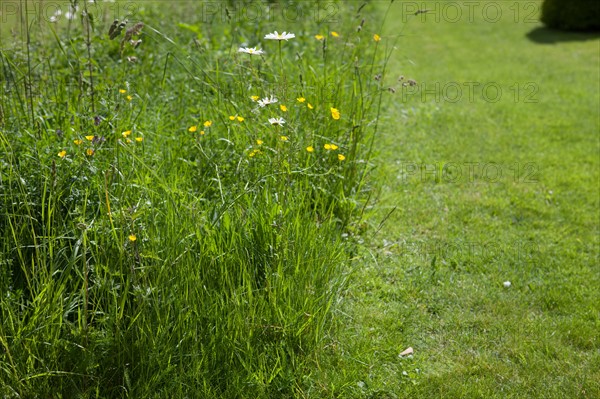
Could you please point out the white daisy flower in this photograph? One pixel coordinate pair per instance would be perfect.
(277, 121)
(267, 101)
(280, 36)
(251, 50)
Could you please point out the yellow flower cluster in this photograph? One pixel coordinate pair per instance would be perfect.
(208, 123)
(126, 135)
(328, 147)
(254, 152)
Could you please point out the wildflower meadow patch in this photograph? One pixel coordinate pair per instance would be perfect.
(179, 193)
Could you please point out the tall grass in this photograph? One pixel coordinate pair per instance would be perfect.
(159, 236)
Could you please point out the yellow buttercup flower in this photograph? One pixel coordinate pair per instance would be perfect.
(207, 123)
(335, 34)
(126, 133)
(231, 117)
(319, 37)
(310, 148)
(341, 157)
(301, 99)
(330, 147)
(283, 108)
(78, 142)
(89, 138)
(122, 91)
(90, 152)
(192, 129)
(240, 119)
(335, 113)
(139, 139)
(309, 106)
(284, 138)
(62, 154)
(376, 37)
(254, 98)
(129, 98)
(132, 237)
(259, 142)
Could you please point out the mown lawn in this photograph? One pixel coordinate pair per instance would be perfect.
(490, 173)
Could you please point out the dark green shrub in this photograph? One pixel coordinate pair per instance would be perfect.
(571, 14)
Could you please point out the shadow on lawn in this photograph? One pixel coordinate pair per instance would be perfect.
(543, 35)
